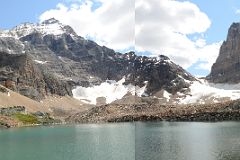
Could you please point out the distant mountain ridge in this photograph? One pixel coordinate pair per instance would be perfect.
(53, 59)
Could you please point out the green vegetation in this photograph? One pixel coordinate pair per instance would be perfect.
(19, 114)
(27, 118)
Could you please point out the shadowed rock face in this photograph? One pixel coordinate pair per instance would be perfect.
(24, 76)
(159, 73)
(42, 62)
(226, 69)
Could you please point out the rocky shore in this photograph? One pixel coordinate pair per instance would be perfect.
(227, 111)
(18, 116)
(142, 111)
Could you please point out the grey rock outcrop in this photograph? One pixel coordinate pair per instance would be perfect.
(20, 73)
(12, 110)
(159, 73)
(226, 69)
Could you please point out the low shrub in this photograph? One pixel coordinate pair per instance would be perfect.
(27, 118)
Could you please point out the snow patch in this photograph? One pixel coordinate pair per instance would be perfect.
(5, 33)
(166, 95)
(28, 28)
(201, 90)
(187, 81)
(25, 29)
(40, 62)
(110, 89)
(61, 58)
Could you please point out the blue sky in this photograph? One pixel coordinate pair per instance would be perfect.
(14, 12)
(221, 13)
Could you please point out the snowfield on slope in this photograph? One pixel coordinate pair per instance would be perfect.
(110, 89)
(202, 91)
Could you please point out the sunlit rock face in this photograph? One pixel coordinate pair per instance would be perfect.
(226, 69)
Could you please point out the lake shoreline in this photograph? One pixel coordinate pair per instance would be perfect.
(114, 113)
(205, 117)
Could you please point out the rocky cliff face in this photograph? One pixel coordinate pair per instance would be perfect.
(226, 69)
(20, 73)
(159, 73)
(50, 58)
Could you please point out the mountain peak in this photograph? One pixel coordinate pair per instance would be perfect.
(48, 27)
(163, 57)
(50, 21)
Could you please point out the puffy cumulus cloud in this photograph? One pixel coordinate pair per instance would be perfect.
(110, 24)
(164, 27)
(156, 26)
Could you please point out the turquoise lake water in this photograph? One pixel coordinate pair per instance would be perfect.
(124, 141)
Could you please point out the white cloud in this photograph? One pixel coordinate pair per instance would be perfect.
(208, 55)
(161, 27)
(237, 11)
(164, 26)
(111, 24)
